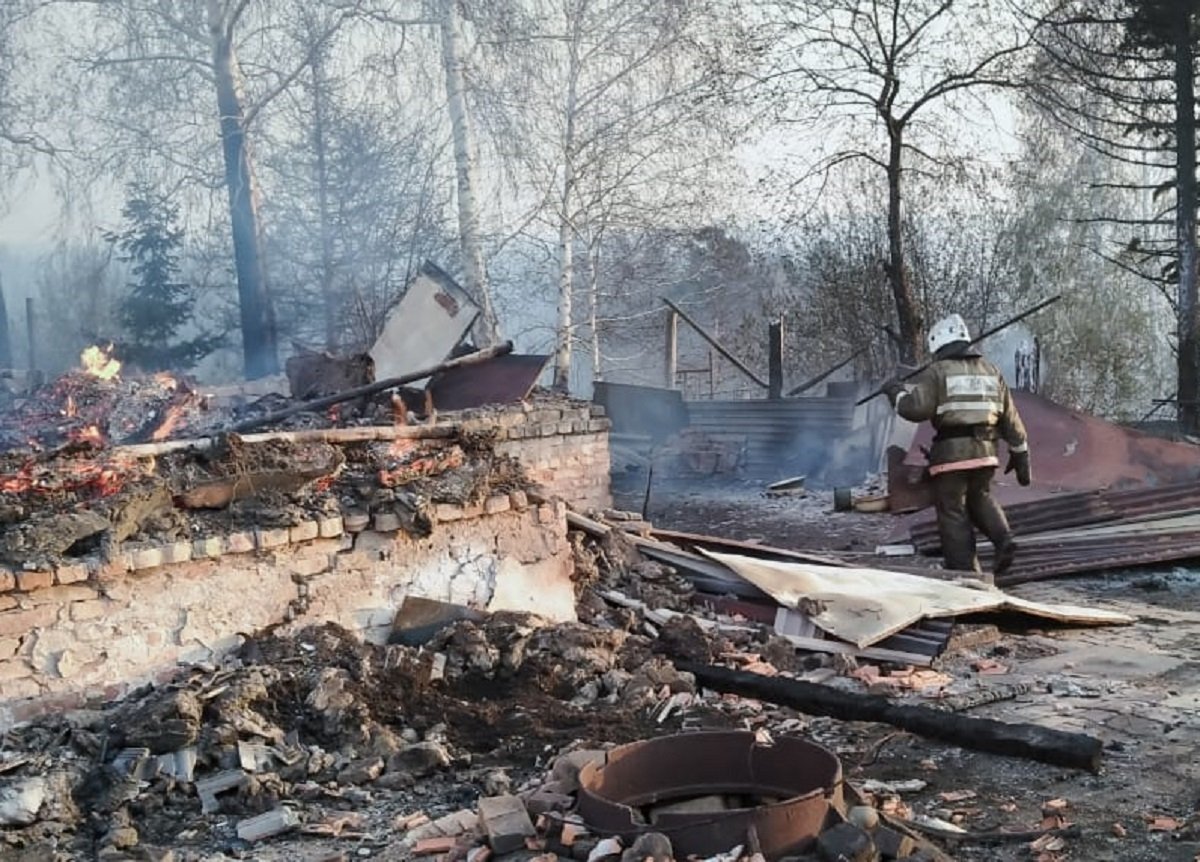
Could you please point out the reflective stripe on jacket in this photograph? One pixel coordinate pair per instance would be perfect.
(970, 406)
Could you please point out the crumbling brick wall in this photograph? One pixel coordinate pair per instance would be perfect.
(564, 447)
(85, 633)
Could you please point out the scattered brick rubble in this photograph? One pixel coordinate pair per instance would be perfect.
(466, 745)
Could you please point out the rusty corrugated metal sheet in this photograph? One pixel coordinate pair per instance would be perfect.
(501, 380)
(773, 433)
(1095, 532)
(1075, 452)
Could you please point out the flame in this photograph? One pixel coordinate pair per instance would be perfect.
(99, 363)
(170, 423)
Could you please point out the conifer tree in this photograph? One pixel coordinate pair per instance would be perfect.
(159, 303)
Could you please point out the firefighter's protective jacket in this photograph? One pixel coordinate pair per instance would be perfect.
(970, 406)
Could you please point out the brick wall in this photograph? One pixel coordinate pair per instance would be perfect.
(88, 630)
(564, 447)
(91, 631)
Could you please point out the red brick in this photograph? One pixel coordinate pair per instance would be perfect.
(20, 622)
(28, 581)
(435, 846)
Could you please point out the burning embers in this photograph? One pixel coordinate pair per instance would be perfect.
(95, 405)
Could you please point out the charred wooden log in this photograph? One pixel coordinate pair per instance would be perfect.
(1076, 750)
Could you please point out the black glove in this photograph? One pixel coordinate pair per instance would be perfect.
(1019, 461)
(893, 389)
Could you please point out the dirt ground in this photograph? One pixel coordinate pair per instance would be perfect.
(1135, 687)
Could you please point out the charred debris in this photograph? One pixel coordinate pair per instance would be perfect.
(473, 736)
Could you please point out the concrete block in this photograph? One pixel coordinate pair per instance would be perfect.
(386, 522)
(329, 528)
(520, 501)
(596, 411)
(71, 573)
(599, 425)
(265, 539)
(274, 822)
(147, 558)
(177, 552)
(506, 822)
(36, 580)
(355, 521)
(444, 512)
(208, 788)
(8, 579)
(9, 647)
(304, 532)
(7, 602)
(311, 565)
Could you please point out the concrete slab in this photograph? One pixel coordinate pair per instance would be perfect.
(1105, 662)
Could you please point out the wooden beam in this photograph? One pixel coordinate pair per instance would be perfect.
(1075, 750)
(737, 363)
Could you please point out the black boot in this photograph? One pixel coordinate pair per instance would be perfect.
(1006, 549)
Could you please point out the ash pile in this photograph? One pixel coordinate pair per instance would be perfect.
(463, 739)
(93, 459)
(320, 747)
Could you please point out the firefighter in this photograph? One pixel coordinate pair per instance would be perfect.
(967, 400)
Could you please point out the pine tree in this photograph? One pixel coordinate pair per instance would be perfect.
(158, 303)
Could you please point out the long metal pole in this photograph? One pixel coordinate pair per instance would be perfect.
(1043, 304)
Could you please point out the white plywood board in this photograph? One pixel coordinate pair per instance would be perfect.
(424, 327)
(865, 606)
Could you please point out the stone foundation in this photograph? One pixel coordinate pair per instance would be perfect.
(91, 630)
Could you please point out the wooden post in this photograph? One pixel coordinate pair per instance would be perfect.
(672, 355)
(29, 333)
(775, 360)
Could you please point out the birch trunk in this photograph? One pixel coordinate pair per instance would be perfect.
(566, 231)
(470, 241)
(260, 349)
(593, 288)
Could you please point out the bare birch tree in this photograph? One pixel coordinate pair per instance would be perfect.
(894, 76)
(612, 92)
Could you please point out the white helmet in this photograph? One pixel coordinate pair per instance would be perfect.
(947, 331)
